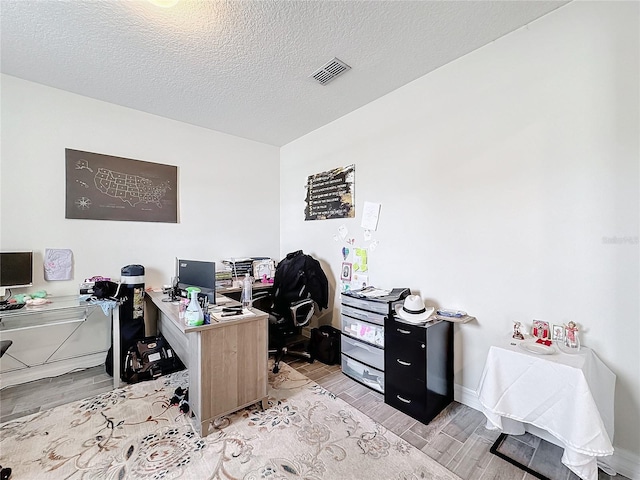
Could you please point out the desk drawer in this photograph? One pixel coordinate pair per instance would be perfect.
(406, 358)
(363, 352)
(405, 330)
(407, 395)
(362, 330)
(369, 376)
(176, 338)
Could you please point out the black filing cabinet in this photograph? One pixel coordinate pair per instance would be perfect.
(418, 367)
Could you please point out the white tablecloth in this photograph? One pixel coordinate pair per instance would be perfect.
(568, 395)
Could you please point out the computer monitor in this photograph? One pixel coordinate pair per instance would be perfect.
(16, 270)
(195, 273)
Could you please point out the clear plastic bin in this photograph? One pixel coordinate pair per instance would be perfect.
(367, 354)
(366, 304)
(370, 317)
(362, 330)
(364, 374)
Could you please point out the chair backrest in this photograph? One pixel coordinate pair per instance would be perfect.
(299, 276)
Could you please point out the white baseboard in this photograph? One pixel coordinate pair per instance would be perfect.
(622, 461)
(52, 369)
(466, 396)
(626, 463)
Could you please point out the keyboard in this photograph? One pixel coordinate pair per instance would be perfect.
(10, 306)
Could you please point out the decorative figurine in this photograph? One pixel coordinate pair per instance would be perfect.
(541, 329)
(516, 331)
(558, 333)
(571, 335)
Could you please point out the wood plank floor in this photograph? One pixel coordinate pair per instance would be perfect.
(456, 438)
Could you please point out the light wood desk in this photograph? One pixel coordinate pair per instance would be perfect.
(227, 361)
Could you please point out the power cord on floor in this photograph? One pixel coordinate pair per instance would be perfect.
(181, 398)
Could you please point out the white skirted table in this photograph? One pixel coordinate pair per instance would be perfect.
(569, 396)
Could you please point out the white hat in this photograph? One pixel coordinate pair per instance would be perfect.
(413, 310)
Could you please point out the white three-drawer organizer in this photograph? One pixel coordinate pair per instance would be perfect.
(362, 327)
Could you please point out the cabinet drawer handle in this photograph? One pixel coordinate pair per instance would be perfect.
(403, 399)
(406, 364)
(406, 332)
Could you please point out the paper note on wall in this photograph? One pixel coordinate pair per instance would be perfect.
(58, 264)
(370, 215)
(359, 281)
(360, 260)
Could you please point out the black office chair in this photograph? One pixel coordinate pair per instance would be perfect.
(299, 287)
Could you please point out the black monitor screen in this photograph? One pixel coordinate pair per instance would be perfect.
(16, 269)
(194, 273)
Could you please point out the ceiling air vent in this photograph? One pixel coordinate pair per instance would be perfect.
(334, 68)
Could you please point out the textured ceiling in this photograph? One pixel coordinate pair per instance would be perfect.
(243, 67)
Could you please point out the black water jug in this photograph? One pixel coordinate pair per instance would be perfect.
(131, 309)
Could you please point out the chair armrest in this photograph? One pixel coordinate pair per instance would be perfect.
(302, 311)
(260, 294)
(262, 301)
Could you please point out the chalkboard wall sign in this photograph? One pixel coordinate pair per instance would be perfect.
(330, 194)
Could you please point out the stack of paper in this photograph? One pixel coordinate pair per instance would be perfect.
(221, 317)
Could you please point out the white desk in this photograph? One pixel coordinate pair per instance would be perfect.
(52, 339)
(568, 396)
(111, 309)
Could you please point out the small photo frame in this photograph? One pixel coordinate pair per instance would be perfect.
(345, 274)
(558, 333)
(541, 330)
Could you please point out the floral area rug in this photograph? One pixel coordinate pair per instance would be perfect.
(134, 433)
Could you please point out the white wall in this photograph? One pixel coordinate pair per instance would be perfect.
(508, 179)
(228, 201)
(509, 188)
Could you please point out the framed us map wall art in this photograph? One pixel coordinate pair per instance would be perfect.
(104, 187)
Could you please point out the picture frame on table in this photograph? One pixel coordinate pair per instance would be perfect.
(541, 330)
(558, 333)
